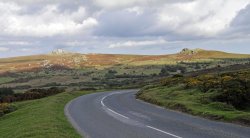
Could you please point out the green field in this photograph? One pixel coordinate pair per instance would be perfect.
(5, 79)
(40, 118)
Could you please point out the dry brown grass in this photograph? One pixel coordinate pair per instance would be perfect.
(105, 60)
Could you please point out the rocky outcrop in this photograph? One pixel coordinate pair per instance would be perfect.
(187, 51)
(60, 52)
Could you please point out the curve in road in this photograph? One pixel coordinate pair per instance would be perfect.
(118, 114)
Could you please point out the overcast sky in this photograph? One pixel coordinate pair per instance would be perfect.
(123, 26)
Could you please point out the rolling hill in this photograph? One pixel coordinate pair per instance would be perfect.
(88, 73)
(76, 60)
(77, 71)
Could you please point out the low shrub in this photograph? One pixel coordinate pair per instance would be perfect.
(222, 106)
(88, 89)
(30, 95)
(232, 88)
(6, 108)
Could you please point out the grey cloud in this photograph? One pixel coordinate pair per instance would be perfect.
(118, 4)
(118, 24)
(124, 24)
(241, 23)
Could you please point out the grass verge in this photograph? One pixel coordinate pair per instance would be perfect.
(194, 102)
(40, 118)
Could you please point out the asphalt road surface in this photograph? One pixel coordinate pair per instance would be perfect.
(118, 114)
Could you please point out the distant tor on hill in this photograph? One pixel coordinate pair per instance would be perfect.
(187, 51)
(60, 52)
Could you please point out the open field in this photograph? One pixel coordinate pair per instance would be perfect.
(102, 71)
(6, 79)
(39, 118)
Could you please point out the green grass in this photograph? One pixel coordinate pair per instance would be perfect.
(6, 79)
(40, 118)
(194, 102)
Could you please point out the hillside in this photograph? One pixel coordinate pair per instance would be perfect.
(77, 71)
(76, 60)
(221, 96)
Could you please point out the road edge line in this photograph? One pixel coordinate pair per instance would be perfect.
(102, 103)
(164, 132)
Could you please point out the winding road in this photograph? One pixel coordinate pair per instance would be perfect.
(118, 114)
